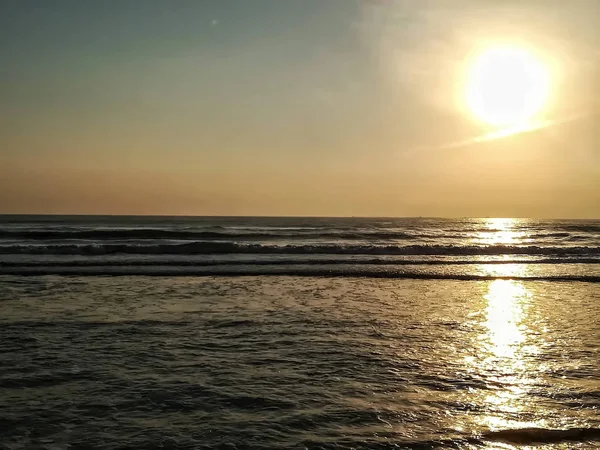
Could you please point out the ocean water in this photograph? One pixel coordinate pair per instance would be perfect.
(396, 248)
(284, 333)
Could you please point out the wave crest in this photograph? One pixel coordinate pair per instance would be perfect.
(211, 247)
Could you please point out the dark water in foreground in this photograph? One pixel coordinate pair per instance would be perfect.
(294, 362)
(125, 333)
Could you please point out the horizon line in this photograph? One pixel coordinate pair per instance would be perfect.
(288, 216)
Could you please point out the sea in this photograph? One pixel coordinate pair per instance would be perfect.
(299, 333)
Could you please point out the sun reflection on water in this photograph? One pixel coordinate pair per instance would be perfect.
(503, 270)
(503, 345)
(499, 231)
(506, 303)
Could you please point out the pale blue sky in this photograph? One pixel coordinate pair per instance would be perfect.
(315, 107)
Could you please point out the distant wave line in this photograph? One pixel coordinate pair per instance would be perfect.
(195, 235)
(156, 234)
(212, 247)
(281, 262)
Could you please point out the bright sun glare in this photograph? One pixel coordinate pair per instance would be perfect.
(507, 86)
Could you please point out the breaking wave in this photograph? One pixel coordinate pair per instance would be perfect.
(211, 247)
(216, 233)
(275, 270)
(148, 233)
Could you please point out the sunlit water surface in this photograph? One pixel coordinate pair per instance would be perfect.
(294, 362)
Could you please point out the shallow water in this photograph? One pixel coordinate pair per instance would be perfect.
(293, 362)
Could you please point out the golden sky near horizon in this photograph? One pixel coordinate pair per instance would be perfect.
(337, 108)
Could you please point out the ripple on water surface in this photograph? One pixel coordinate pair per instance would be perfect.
(286, 362)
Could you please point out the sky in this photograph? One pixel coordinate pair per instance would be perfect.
(289, 107)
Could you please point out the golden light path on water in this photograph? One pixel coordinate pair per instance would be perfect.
(499, 231)
(506, 341)
(505, 344)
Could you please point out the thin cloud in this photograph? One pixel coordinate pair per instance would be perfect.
(501, 134)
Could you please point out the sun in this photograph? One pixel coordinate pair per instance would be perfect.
(507, 86)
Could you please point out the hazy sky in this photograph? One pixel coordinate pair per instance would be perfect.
(288, 107)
